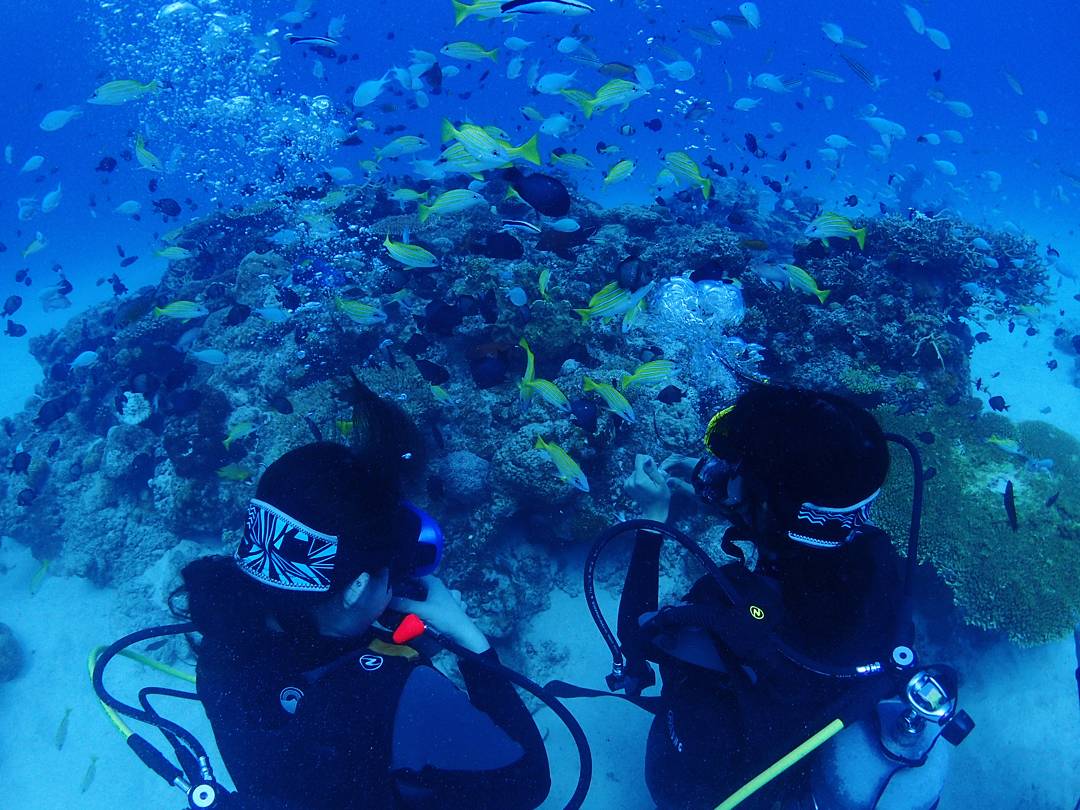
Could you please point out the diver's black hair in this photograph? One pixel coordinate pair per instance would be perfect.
(355, 494)
(795, 445)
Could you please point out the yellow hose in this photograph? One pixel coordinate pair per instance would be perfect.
(781, 765)
(146, 660)
(117, 721)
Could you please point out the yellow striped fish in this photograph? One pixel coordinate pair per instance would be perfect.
(651, 373)
(549, 392)
(616, 402)
(619, 172)
(685, 168)
(569, 471)
(147, 159)
(409, 255)
(359, 312)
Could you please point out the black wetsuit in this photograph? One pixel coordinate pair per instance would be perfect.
(337, 726)
(723, 717)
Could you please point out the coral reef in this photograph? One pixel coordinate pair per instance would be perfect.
(147, 457)
(1024, 581)
(903, 305)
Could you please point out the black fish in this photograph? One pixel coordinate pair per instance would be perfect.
(15, 329)
(21, 274)
(1012, 326)
(442, 318)
(434, 78)
(11, 305)
(671, 394)
(937, 75)
(488, 370)
(118, 287)
(289, 299)
(773, 184)
(53, 409)
(997, 402)
(851, 201)
(21, 462)
(751, 143)
(1010, 505)
(1052, 500)
(54, 447)
(561, 244)
(926, 437)
(883, 208)
(432, 372)
(929, 473)
(655, 124)
(237, 315)
(281, 404)
(543, 192)
(1031, 331)
(127, 261)
(167, 207)
(107, 164)
(982, 337)
(1051, 364)
(26, 497)
(502, 245)
(120, 251)
(178, 403)
(416, 345)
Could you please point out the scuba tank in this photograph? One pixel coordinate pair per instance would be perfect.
(891, 761)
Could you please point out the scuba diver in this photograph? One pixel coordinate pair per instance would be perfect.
(810, 624)
(311, 705)
(315, 700)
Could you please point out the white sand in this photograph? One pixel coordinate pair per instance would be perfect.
(58, 627)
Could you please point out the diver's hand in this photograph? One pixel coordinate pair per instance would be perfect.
(679, 469)
(444, 611)
(648, 485)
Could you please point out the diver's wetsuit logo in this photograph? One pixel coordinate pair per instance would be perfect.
(370, 663)
(757, 612)
(290, 698)
(674, 737)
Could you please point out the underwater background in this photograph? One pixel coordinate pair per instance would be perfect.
(200, 261)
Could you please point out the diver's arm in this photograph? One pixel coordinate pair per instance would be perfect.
(480, 751)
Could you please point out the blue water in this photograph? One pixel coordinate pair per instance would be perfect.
(242, 99)
(55, 59)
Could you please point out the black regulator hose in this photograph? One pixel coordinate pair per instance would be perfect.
(150, 717)
(533, 688)
(918, 478)
(609, 534)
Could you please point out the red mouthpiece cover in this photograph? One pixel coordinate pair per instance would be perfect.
(411, 627)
